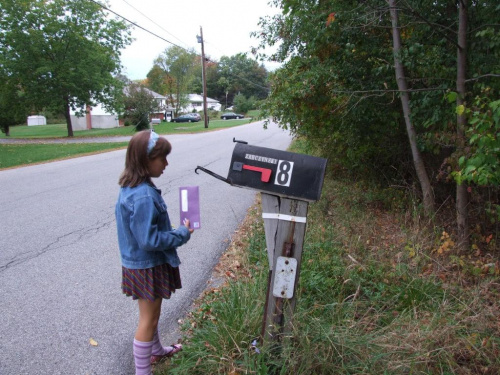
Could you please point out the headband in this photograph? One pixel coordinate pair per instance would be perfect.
(153, 137)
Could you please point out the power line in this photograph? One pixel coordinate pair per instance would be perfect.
(137, 25)
(138, 11)
(160, 37)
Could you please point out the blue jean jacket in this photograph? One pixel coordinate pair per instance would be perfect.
(145, 235)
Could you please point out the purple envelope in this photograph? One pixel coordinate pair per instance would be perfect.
(189, 205)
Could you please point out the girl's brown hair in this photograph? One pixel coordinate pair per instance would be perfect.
(136, 161)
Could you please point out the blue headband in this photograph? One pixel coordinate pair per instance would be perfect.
(153, 137)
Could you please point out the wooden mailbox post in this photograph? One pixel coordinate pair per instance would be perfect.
(288, 182)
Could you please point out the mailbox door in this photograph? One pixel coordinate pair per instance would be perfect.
(277, 172)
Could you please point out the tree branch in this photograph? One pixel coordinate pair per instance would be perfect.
(483, 76)
(418, 15)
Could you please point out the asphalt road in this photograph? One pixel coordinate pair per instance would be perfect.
(60, 270)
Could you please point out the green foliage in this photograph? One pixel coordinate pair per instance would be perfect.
(176, 70)
(62, 54)
(332, 85)
(240, 74)
(482, 163)
(337, 82)
(13, 107)
(158, 80)
(242, 104)
(139, 103)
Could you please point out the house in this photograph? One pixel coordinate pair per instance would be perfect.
(98, 117)
(196, 103)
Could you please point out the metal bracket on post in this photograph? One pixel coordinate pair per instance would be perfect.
(284, 280)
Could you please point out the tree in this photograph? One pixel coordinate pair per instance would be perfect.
(461, 194)
(337, 86)
(243, 104)
(244, 75)
(63, 53)
(13, 109)
(158, 80)
(428, 195)
(139, 103)
(178, 64)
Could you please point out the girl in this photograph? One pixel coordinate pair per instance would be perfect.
(147, 243)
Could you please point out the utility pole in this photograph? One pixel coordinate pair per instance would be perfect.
(203, 76)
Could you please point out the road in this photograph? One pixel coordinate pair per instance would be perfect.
(60, 270)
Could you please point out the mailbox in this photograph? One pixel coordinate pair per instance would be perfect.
(277, 172)
(296, 177)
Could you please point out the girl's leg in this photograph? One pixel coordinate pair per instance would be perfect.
(149, 314)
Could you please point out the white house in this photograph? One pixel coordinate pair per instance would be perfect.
(95, 118)
(98, 118)
(196, 103)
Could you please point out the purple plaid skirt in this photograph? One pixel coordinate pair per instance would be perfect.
(151, 283)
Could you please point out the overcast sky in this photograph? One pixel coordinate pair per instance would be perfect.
(226, 25)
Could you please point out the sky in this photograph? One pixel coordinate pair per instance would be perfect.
(226, 26)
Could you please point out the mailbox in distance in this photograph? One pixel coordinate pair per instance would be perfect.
(277, 172)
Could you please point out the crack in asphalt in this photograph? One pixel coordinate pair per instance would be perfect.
(59, 242)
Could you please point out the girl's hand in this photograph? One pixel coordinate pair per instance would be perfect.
(186, 224)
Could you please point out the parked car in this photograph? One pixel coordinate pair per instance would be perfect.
(186, 118)
(231, 115)
(195, 115)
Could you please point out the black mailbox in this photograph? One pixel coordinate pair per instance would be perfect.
(277, 172)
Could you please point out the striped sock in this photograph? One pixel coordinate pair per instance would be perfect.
(142, 355)
(157, 347)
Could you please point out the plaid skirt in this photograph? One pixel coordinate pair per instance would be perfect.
(151, 283)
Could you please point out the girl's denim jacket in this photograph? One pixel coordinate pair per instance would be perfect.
(145, 235)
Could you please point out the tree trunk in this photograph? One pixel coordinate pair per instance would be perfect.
(462, 197)
(67, 116)
(427, 192)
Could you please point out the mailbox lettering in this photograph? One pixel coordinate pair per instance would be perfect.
(261, 158)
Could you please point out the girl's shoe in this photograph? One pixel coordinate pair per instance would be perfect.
(171, 350)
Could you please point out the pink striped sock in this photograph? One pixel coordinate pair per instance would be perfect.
(157, 347)
(142, 355)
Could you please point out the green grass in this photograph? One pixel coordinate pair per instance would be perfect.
(60, 131)
(12, 155)
(370, 299)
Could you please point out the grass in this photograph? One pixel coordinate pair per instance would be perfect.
(12, 155)
(60, 131)
(375, 296)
